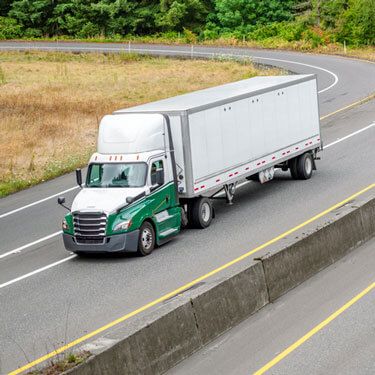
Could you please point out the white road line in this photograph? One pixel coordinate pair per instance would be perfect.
(335, 77)
(349, 135)
(36, 271)
(19, 249)
(37, 202)
(118, 49)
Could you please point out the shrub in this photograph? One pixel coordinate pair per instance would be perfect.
(9, 28)
(89, 30)
(190, 37)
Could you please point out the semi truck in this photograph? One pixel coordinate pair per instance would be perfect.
(158, 166)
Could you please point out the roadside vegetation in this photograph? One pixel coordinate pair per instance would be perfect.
(65, 363)
(331, 26)
(51, 103)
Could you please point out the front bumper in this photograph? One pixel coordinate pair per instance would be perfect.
(126, 242)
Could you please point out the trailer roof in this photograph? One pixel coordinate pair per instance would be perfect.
(212, 96)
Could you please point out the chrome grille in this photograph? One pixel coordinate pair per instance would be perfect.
(89, 227)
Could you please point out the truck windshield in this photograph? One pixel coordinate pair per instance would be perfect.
(116, 175)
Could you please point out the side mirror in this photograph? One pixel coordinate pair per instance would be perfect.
(79, 177)
(160, 177)
(61, 202)
(129, 200)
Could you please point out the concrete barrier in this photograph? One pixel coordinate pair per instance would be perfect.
(162, 338)
(157, 340)
(228, 302)
(344, 229)
(151, 345)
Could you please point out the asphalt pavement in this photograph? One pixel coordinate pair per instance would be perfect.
(45, 303)
(345, 346)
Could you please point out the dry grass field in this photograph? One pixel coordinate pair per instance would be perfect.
(51, 103)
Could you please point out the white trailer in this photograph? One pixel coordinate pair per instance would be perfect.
(226, 133)
(158, 165)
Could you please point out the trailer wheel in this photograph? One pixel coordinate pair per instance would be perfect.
(201, 213)
(293, 168)
(304, 166)
(146, 240)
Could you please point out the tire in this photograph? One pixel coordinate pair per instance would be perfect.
(146, 240)
(293, 168)
(305, 165)
(201, 213)
(301, 168)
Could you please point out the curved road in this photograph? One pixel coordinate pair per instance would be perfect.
(48, 297)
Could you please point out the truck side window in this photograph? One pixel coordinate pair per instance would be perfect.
(156, 165)
(96, 173)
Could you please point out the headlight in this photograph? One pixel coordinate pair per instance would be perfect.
(65, 225)
(122, 225)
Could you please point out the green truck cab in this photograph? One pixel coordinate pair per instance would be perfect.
(130, 199)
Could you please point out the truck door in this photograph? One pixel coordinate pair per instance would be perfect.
(161, 195)
(166, 216)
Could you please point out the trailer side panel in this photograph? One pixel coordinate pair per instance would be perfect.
(231, 135)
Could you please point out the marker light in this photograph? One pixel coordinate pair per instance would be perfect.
(65, 225)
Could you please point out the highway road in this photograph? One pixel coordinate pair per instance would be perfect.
(49, 297)
(345, 345)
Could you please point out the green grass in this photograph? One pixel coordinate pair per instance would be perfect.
(52, 170)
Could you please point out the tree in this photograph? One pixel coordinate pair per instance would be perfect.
(9, 28)
(179, 14)
(33, 16)
(358, 24)
(75, 18)
(134, 17)
(5, 7)
(242, 14)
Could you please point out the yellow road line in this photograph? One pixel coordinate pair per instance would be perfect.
(364, 100)
(315, 330)
(186, 286)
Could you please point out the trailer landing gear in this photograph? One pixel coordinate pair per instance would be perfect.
(229, 192)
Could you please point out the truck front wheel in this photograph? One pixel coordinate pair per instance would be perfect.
(201, 213)
(146, 241)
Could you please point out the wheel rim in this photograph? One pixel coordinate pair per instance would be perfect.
(206, 212)
(147, 238)
(308, 166)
